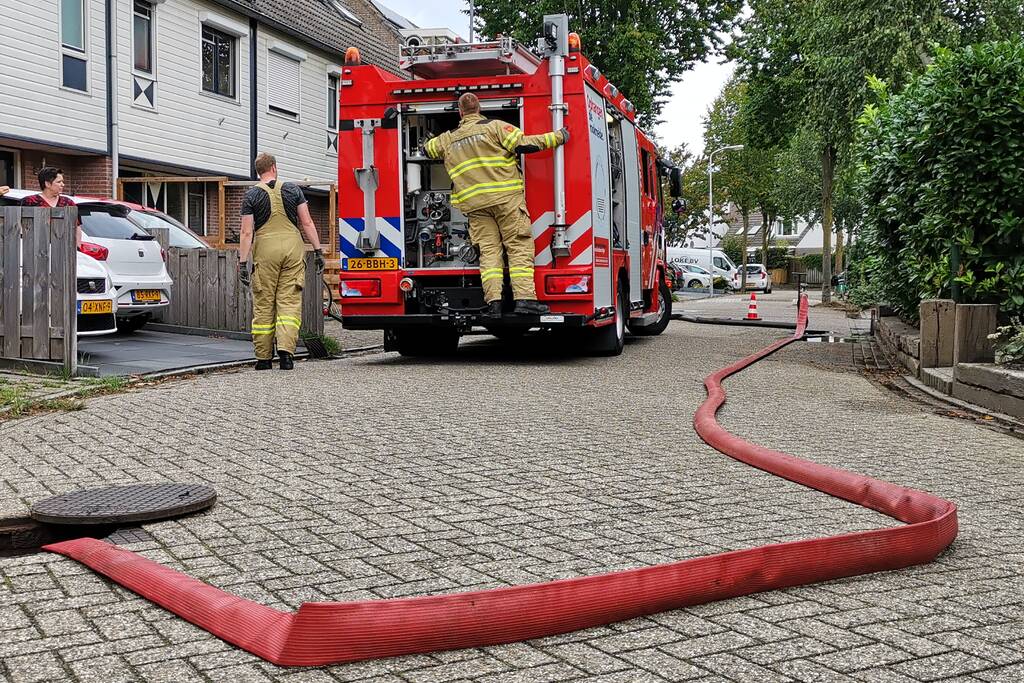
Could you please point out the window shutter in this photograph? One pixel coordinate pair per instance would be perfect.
(283, 83)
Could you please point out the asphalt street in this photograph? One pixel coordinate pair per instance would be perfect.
(377, 477)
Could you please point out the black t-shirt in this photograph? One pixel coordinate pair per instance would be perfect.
(256, 203)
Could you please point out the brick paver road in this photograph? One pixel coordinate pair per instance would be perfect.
(378, 477)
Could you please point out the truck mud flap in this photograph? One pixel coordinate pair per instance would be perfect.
(332, 632)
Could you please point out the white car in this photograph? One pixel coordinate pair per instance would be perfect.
(758, 278)
(97, 307)
(695, 277)
(130, 255)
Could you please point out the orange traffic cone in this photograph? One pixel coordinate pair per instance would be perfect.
(752, 308)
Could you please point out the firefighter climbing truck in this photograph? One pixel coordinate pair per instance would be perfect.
(596, 206)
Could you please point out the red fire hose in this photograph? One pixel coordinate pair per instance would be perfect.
(332, 632)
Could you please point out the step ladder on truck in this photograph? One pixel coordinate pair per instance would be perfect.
(595, 204)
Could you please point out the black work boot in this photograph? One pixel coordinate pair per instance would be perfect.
(531, 307)
(263, 364)
(494, 309)
(287, 360)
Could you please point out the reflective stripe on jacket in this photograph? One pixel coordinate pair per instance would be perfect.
(481, 157)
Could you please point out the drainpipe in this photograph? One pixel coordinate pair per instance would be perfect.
(112, 83)
(254, 139)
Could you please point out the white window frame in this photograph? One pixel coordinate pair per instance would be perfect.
(336, 76)
(294, 54)
(74, 52)
(236, 30)
(151, 74)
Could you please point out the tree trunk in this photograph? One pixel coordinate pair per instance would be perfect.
(743, 258)
(828, 167)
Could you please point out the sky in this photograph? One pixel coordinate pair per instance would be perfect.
(682, 116)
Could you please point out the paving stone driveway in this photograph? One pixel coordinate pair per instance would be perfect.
(379, 477)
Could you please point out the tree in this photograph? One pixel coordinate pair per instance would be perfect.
(980, 20)
(808, 63)
(745, 175)
(641, 45)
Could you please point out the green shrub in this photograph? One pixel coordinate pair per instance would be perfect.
(777, 257)
(1009, 342)
(732, 245)
(943, 163)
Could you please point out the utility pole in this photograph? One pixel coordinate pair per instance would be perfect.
(711, 209)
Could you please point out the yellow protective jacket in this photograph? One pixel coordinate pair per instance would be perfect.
(481, 157)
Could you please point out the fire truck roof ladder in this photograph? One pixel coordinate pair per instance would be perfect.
(447, 59)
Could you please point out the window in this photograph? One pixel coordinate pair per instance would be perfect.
(196, 208)
(785, 227)
(8, 168)
(109, 222)
(72, 24)
(345, 12)
(283, 84)
(645, 164)
(142, 36)
(218, 62)
(74, 73)
(332, 102)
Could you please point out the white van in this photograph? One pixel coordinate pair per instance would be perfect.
(724, 267)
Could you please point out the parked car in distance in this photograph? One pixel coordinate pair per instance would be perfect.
(130, 255)
(674, 275)
(96, 303)
(179, 236)
(717, 261)
(696, 277)
(758, 278)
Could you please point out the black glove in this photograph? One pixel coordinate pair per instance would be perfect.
(243, 273)
(318, 259)
(565, 135)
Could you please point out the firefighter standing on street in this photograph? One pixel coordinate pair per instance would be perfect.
(481, 157)
(271, 211)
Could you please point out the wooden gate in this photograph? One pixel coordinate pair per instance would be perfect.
(207, 294)
(38, 314)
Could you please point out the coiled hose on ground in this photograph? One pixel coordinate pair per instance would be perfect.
(333, 632)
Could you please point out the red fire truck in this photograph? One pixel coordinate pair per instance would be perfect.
(408, 266)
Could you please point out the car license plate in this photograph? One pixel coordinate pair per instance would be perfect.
(373, 263)
(93, 307)
(146, 295)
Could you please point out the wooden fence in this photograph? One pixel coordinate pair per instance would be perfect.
(207, 294)
(38, 313)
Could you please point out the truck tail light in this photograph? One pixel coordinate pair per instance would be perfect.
(365, 288)
(94, 250)
(406, 284)
(567, 284)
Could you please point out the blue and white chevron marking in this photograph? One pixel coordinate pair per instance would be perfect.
(391, 239)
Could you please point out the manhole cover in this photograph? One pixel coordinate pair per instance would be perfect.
(122, 504)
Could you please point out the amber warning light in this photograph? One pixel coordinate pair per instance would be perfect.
(352, 57)
(574, 42)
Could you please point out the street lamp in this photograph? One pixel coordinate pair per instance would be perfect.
(711, 208)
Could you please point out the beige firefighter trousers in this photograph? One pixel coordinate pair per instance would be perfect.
(279, 272)
(506, 224)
